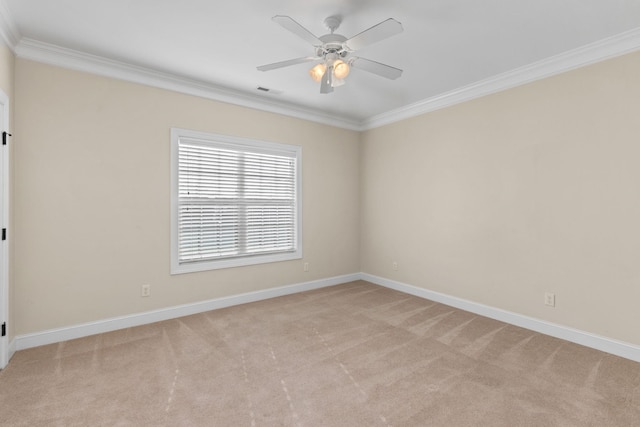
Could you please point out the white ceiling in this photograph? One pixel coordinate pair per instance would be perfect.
(447, 47)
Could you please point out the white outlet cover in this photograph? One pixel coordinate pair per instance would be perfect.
(550, 299)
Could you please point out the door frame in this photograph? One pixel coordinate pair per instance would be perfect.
(4, 223)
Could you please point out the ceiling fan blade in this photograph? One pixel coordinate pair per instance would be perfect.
(374, 67)
(297, 29)
(282, 64)
(374, 34)
(325, 85)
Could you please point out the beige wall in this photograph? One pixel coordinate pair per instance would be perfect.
(496, 200)
(92, 198)
(505, 197)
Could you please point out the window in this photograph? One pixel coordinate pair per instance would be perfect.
(234, 201)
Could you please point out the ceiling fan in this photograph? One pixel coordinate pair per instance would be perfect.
(334, 52)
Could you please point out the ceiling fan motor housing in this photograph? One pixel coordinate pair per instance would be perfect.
(332, 44)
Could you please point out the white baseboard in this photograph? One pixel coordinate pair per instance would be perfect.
(12, 348)
(51, 336)
(619, 348)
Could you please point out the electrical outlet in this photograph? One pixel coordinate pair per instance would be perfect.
(394, 265)
(550, 299)
(305, 266)
(146, 290)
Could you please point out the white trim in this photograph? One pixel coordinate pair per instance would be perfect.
(4, 223)
(67, 58)
(619, 348)
(601, 50)
(107, 325)
(12, 348)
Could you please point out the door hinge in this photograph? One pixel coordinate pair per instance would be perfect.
(4, 329)
(4, 234)
(4, 137)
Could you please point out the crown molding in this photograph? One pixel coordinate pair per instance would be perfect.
(67, 58)
(8, 29)
(601, 50)
(71, 59)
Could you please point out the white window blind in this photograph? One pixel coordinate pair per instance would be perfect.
(236, 201)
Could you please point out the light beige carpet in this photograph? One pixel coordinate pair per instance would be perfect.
(349, 355)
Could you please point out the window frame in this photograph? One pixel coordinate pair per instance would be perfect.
(247, 145)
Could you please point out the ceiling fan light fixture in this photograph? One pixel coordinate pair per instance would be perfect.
(341, 69)
(317, 72)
